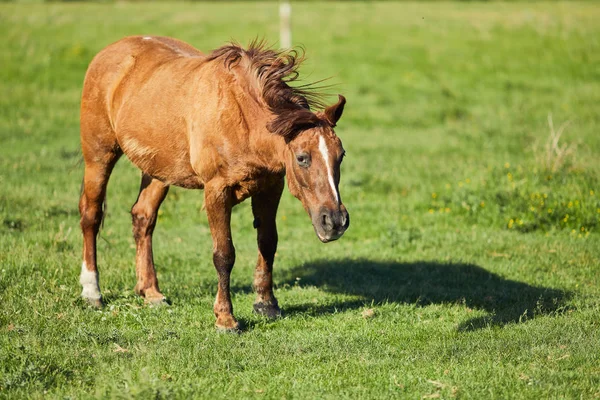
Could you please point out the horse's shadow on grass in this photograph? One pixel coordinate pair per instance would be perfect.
(423, 283)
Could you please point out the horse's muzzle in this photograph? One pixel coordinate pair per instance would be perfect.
(330, 224)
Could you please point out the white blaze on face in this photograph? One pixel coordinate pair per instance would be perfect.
(89, 281)
(325, 152)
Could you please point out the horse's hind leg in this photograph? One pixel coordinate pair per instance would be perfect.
(98, 168)
(144, 213)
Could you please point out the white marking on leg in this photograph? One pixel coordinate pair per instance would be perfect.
(325, 153)
(89, 281)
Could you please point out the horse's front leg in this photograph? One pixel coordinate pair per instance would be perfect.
(264, 208)
(218, 204)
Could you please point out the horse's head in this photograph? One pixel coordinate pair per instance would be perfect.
(313, 158)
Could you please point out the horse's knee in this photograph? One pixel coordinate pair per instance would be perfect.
(267, 246)
(143, 221)
(224, 258)
(268, 250)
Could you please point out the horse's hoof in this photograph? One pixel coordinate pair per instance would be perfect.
(156, 301)
(233, 331)
(227, 325)
(95, 303)
(271, 311)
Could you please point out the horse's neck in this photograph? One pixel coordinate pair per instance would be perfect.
(267, 148)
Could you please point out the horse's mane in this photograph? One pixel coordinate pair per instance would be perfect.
(274, 70)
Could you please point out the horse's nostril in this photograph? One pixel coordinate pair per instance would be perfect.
(326, 222)
(345, 220)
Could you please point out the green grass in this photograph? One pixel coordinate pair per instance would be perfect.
(479, 283)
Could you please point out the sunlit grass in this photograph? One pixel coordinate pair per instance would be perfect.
(471, 266)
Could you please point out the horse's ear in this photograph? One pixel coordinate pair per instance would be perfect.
(333, 113)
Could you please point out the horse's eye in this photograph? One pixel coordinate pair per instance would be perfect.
(303, 159)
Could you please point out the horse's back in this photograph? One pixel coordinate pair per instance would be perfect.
(174, 44)
(112, 67)
(132, 99)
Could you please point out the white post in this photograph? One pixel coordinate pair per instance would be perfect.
(285, 29)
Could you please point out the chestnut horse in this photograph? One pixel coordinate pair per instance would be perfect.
(226, 122)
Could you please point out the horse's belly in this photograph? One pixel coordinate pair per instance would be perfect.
(164, 160)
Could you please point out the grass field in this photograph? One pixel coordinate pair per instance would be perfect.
(471, 268)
